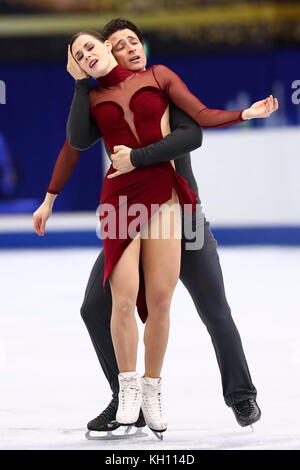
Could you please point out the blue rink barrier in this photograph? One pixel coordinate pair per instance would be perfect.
(257, 235)
(57, 239)
(229, 236)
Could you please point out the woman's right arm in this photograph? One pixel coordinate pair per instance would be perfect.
(63, 168)
(42, 214)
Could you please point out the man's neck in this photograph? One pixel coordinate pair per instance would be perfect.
(139, 70)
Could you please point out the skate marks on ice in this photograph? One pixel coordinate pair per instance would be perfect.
(241, 439)
(34, 438)
(184, 439)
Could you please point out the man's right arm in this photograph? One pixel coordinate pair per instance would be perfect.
(82, 131)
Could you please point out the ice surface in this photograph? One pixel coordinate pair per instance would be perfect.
(52, 384)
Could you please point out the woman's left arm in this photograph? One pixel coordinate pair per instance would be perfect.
(180, 95)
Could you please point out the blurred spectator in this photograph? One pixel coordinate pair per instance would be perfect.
(8, 179)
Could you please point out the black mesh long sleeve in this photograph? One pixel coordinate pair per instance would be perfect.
(82, 131)
(185, 137)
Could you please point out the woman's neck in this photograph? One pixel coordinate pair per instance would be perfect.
(112, 64)
(116, 75)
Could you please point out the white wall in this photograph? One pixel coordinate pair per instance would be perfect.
(249, 177)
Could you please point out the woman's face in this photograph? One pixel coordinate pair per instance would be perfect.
(93, 56)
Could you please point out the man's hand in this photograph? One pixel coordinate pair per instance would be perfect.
(261, 109)
(73, 68)
(121, 161)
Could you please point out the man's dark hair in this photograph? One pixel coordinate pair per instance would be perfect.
(95, 35)
(118, 24)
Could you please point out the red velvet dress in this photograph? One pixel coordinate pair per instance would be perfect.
(128, 108)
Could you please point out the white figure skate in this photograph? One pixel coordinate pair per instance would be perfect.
(130, 398)
(152, 405)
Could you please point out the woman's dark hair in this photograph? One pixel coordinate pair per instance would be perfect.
(118, 24)
(95, 34)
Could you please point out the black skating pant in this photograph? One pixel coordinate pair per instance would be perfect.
(201, 274)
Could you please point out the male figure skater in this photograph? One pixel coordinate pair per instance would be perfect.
(200, 269)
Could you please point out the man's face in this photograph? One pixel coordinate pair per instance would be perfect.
(128, 50)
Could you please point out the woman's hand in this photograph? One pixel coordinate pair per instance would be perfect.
(261, 109)
(73, 68)
(40, 217)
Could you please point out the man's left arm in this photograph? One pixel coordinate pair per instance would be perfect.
(185, 137)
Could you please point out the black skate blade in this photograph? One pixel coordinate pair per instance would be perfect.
(111, 436)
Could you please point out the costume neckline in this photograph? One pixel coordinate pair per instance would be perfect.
(115, 76)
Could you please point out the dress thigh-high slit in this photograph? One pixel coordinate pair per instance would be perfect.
(151, 187)
(157, 248)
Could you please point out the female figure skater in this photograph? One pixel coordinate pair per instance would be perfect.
(132, 109)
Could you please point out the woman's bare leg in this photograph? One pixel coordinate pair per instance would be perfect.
(161, 265)
(124, 282)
